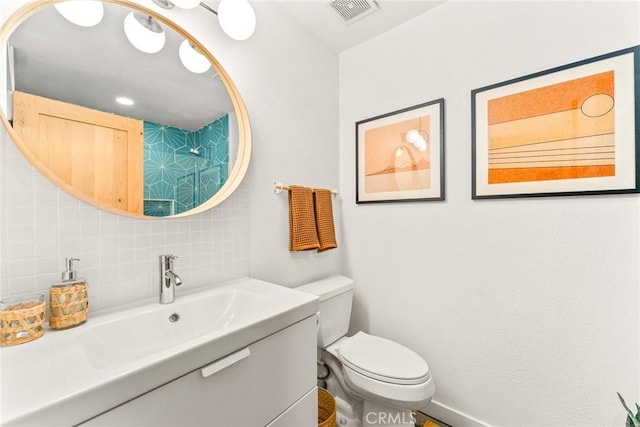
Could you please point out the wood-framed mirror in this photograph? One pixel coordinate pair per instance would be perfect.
(182, 147)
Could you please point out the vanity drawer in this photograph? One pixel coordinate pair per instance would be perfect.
(302, 413)
(250, 387)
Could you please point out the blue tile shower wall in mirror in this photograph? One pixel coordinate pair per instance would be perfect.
(183, 168)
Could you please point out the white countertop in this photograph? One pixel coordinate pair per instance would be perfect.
(69, 376)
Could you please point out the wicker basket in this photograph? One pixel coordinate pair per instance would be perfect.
(326, 409)
(69, 305)
(21, 319)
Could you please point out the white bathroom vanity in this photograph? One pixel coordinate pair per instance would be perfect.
(238, 354)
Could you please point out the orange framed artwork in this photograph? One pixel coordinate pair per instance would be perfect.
(400, 155)
(571, 130)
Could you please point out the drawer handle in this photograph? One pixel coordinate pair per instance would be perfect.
(221, 364)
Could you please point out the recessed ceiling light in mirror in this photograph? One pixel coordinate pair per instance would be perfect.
(85, 13)
(124, 100)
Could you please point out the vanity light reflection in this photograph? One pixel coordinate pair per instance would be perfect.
(85, 13)
(144, 32)
(192, 60)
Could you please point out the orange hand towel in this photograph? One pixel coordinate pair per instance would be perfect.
(324, 219)
(302, 224)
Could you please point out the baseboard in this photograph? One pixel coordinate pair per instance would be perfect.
(451, 416)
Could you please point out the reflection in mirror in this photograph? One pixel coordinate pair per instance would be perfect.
(134, 132)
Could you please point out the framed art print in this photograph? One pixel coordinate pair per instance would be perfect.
(400, 155)
(571, 130)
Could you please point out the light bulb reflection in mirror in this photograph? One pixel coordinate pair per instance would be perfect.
(186, 4)
(85, 13)
(144, 32)
(193, 60)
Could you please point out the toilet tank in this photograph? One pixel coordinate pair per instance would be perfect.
(336, 295)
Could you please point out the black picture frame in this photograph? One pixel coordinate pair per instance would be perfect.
(519, 145)
(394, 167)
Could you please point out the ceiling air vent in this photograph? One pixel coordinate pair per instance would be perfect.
(353, 10)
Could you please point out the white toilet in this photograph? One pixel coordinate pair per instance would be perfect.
(375, 381)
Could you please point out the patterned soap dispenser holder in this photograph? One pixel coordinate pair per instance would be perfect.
(68, 299)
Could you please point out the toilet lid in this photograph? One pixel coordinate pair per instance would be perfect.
(383, 360)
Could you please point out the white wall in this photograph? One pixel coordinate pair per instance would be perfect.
(276, 73)
(527, 309)
(292, 96)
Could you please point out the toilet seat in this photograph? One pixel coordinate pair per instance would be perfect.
(368, 372)
(383, 360)
(399, 396)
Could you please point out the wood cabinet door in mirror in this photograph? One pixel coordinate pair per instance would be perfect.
(98, 154)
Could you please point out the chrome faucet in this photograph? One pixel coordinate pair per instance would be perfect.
(168, 279)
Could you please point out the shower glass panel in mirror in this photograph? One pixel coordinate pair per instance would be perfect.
(132, 128)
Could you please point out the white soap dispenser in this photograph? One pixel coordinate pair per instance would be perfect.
(68, 299)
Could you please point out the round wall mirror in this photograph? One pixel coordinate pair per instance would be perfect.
(127, 111)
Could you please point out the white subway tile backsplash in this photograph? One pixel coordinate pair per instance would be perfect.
(170, 227)
(196, 227)
(66, 200)
(89, 261)
(88, 215)
(43, 199)
(89, 245)
(18, 233)
(19, 250)
(141, 228)
(126, 242)
(20, 215)
(108, 243)
(124, 269)
(107, 216)
(68, 247)
(41, 225)
(70, 231)
(108, 274)
(45, 232)
(42, 184)
(125, 256)
(19, 199)
(156, 227)
(108, 229)
(20, 268)
(109, 300)
(22, 182)
(20, 285)
(68, 216)
(43, 282)
(45, 248)
(126, 229)
(45, 216)
(156, 241)
(48, 265)
(142, 240)
(89, 230)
